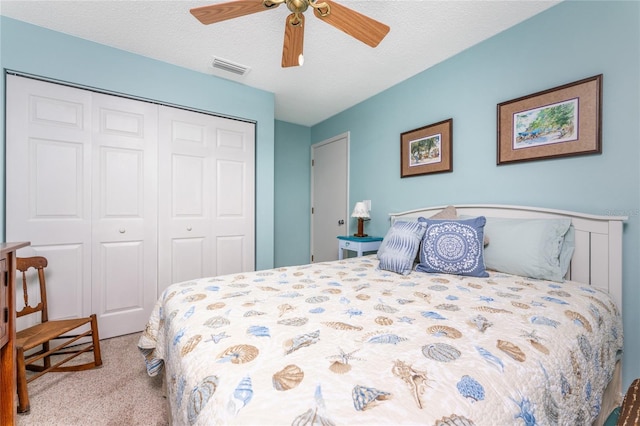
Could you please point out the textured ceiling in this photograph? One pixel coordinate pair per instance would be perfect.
(338, 71)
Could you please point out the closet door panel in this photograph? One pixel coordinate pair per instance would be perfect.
(124, 210)
(48, 179)
(185, 191)
(233, 222)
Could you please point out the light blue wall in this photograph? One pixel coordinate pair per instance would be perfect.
(292, 202)
(568, 42)
(38, 51)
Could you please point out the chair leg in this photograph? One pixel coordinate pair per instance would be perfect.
(97, 355)
(21, 373)
(47, 359)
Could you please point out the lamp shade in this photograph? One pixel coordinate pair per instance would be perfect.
(360, 210)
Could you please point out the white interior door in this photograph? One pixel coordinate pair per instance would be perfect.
(206, 198)
(124, 213)
(48, 180)
(329, 196)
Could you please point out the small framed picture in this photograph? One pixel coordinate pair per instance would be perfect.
(558, 122)
(427, 149)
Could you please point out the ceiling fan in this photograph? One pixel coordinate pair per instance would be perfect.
(361, 27)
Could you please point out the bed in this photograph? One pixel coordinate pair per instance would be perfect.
(367, 340)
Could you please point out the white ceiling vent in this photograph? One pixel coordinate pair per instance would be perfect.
(228, 66)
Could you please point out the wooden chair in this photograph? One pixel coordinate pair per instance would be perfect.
(40, 336)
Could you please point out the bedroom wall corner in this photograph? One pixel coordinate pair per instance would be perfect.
(292, 194)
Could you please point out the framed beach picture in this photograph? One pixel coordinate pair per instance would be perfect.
(427, 149)
(558, 122)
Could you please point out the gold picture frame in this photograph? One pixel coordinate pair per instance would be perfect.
(559, 122)
(427, 149)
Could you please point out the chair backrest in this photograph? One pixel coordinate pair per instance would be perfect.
(23, 264)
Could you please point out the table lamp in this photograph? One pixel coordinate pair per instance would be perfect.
(360, 211)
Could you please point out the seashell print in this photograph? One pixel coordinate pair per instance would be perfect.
(438, 287)
(298, 274)
(512, 350)
(393, 339)
(480, 322)
(239, 354)
(491, 358)
(444, 330)
(491, 310)
(385, 308)
(297, 286)
(253, 313)
(544, 321)
(264, 273)
(426, 297)
(317, 299)
(432, 315)
(235, 294)
(364, 397)
(565, 386)
(415, 379)
(454, 420)
(600, 302)
(539, 346)
(579, 320)
(520, 305)
(559, 293)
(470, 388)
(217, 305)
(190, 345)
(258, 331)
(199, 397)
(216, 322)
(170, 296)
(361, 287)
(287, 378)
(554, 300)
(448, 307)
(585, 346)
(301, 341)
(439, 280)
(332, 290)
(267, 288)
(508, 295)
(189, 312)
(474, 285)
(285, 308)
(296, 322)
(363, 297)
(194, 297)
(404, 301)
(314, 416)
(342, 326)
(316, 310)
(238, 285)
(577, 372)
(241, 396)
(339, 367)
(441, 352)
(383, 320)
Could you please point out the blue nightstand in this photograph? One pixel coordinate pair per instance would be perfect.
(357, 244)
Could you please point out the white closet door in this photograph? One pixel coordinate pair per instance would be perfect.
(206, 197)
(48, 169)
(124, 210)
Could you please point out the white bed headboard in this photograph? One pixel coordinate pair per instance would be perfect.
(597, 259)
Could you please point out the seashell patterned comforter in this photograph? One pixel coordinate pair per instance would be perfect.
(345, 343)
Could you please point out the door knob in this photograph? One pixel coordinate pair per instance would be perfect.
(341, 222)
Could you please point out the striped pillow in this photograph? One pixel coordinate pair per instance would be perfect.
(399, 247)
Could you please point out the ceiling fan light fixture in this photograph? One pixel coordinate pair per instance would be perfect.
(228, 66)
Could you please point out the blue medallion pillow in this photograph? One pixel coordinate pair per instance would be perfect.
(399, 247)
(453, 247)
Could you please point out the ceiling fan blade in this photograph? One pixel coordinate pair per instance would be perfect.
(357, 25)
(229, 10)
(293, 41)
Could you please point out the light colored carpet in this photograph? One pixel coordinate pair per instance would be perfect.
(119, 393)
